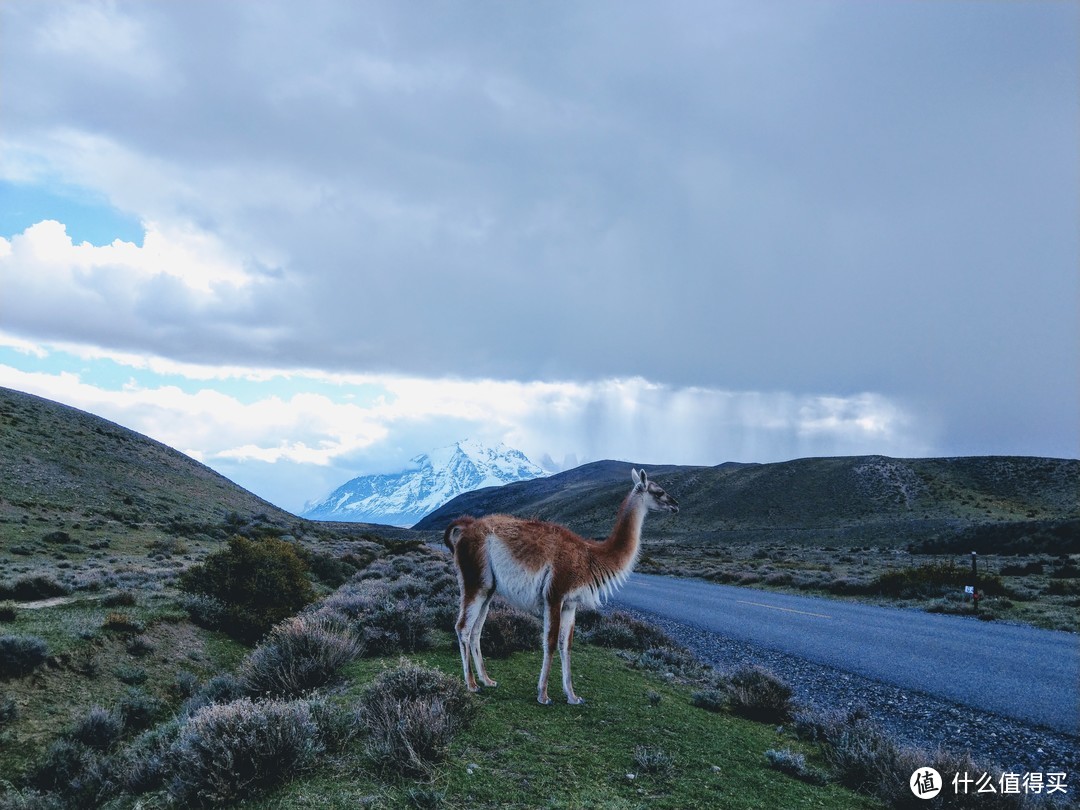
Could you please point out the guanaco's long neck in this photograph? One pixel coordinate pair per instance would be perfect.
(620, 550)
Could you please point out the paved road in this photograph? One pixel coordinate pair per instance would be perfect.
(1020, 672)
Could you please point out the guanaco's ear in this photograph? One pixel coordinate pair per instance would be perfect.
(641, 481)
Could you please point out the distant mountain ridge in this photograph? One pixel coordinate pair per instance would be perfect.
(432, 479)
(844, 500)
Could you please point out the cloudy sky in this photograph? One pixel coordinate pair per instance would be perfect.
(306, 241)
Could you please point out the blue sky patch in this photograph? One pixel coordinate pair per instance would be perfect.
(87, 215)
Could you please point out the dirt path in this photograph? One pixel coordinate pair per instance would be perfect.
(55, 601)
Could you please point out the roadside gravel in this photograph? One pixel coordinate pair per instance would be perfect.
(913, 718)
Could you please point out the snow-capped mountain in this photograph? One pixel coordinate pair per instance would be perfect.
(432, 479)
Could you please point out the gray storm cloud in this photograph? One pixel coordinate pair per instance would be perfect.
(829, 200)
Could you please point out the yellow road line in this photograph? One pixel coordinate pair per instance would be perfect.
(786, 610)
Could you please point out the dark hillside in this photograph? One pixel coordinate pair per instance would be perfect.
(850, 500)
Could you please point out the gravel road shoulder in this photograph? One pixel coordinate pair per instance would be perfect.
(913, 718)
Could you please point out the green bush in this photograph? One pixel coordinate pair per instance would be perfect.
(932, 580)
(21, 655)
(259, 582)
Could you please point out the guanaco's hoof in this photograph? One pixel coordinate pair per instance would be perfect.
(490, 684)
(575, 700)
(544, 701)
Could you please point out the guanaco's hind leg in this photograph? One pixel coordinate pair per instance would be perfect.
(552, 624)
(566, 639)
(467, 616)
(474, 642)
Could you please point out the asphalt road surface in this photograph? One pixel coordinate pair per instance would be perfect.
(1024, 673)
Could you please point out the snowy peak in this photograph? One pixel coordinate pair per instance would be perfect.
(432, 479)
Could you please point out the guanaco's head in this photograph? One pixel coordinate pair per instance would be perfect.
(656, 500)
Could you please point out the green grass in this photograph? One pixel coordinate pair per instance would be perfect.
(518, 754)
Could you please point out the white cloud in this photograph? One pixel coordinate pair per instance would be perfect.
(294, 447)
(45, 254)
(181, 292)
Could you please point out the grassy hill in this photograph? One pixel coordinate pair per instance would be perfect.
(843, 500)
(61, 468)
(72, 483)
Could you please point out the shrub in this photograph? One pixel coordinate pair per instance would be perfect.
(9, 712)
(33, 587)
(653, 760)
(21, 655)
(410, 715)
(622, 630)
(8, 612)
(300, 654)
(131, 675)
(758, 694)
(671, 661)
(119, 599)
(229, 752)
(185, 684)
(144, 764)
(122, 623)
(409, 619)
(168, 546)
(139, 646)
(139, 710)
(508, 631)
(932, 580)
(98, 729)
(223, 688)
(794, 764)
(337, 725)
(205, 611)
(713, 700)
(865, 758)
(260, 582)
(330, 571)
(64, 761)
